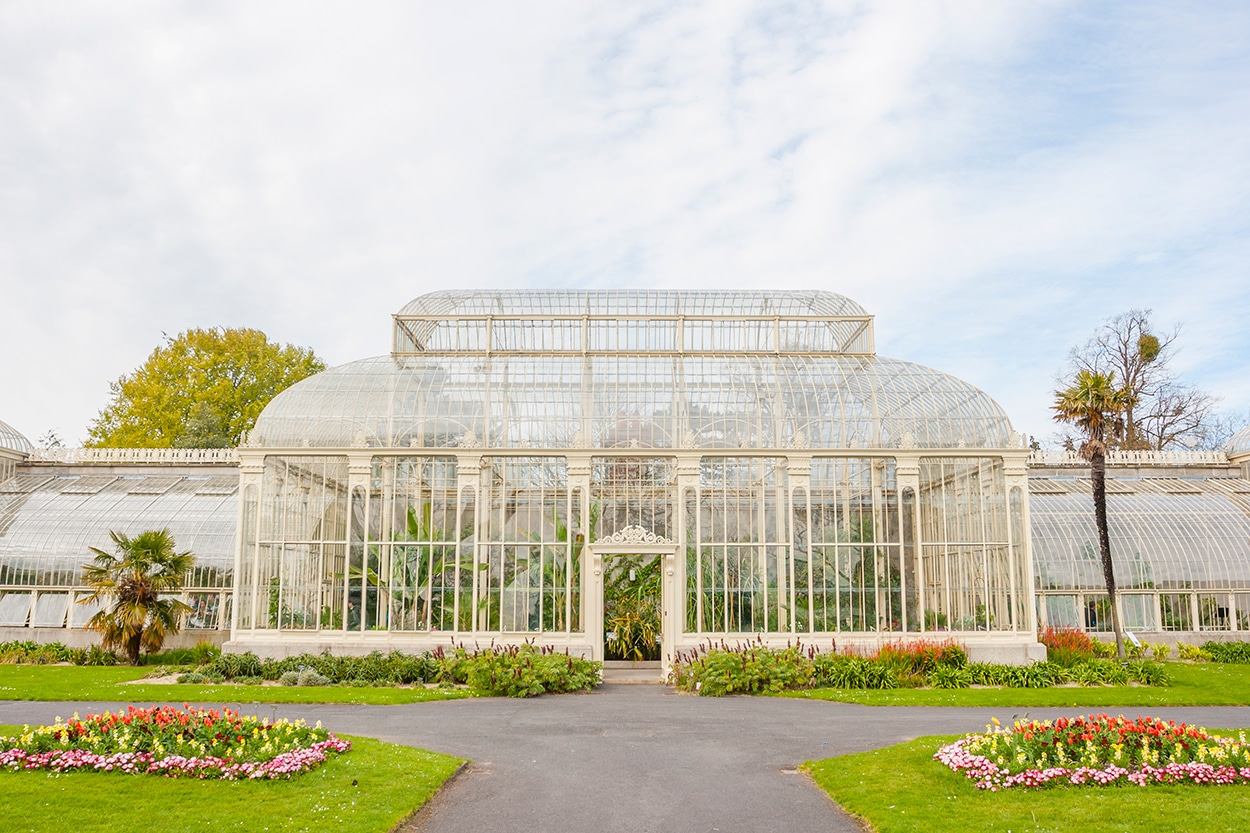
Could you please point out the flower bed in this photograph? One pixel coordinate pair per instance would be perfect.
(196, 743)
(1097, 749)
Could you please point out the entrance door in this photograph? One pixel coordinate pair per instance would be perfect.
(632, 606)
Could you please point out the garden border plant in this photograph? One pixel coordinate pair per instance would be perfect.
(162, 740)
(1097, 749)
(755, 668)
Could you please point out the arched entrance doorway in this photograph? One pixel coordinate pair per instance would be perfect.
(632, 570)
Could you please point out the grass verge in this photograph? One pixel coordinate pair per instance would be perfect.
(901, 789)
(1193, 684)
(370, 789)
(72, 682)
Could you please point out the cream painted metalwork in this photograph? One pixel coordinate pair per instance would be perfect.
(49, 521)
(1181, 549)
(469, 485)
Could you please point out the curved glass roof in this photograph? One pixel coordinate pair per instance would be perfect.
(47, 522)
(632, 368)
(632, 401)
(12, 439)
(1164, 534)
(631, 302)
(1239, 443)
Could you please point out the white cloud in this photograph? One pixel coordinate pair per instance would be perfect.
(992, 180)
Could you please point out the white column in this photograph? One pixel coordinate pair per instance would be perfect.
(907, 476)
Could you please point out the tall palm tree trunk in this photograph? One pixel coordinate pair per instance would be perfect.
(1098, 477)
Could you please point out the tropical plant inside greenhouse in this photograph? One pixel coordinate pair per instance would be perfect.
(137, 586)
(631, 614)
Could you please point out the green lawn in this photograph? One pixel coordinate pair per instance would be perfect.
(368, 790)
(72, 682)
(903, 790)
(1193, 684)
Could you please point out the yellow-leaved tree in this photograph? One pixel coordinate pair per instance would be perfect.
(202, 389)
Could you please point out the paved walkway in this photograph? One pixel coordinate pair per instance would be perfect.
(637, 758)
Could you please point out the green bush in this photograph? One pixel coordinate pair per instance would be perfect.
(1192, 652)
(945, 676)
(846, 671)
(1230, 652)
(527, 671)
(50, 653)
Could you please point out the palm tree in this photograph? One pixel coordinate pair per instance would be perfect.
(138, 582)
(1092, 404)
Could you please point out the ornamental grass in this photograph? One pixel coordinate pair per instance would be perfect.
(162, 740)
(1098, 749)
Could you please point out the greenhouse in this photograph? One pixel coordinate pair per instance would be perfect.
(628, 474)
(1181, 546)
(576, 467)
(52, 513)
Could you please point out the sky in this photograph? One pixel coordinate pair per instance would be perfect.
(991, 180)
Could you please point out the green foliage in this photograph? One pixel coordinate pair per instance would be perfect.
(202, 389)
(201, 654)
(135, 586)
(1102, 650)
(1067, 646)
(527, 671)
(756, 668)
(944, 676)
(632, 608)
(394, 668)
(304, 676)
(1233, 652)
(848, 671)
(900, 789)
(396, 780)
(748, 669)
(1192, 652)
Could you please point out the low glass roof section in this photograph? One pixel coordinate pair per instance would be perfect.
(1197, 541)
(13, 440)
(626, 401)
(47, 524)
(1239, 443)
(626, 322)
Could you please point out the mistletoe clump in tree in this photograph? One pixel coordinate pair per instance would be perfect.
(136, 585)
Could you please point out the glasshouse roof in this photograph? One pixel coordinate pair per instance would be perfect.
(1239, 443)
(47, 522)
(644, 369)
(12, 439)
(631, 302)
(1165, 533)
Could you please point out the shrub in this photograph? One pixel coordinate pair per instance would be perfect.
(1160, 650)
(50, 653)
(1231, 652)
(1191, 652)
(1103, 650)
(1067, 646)
(944, 676)
(920, 656)
(844, 671)
(527, 671)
